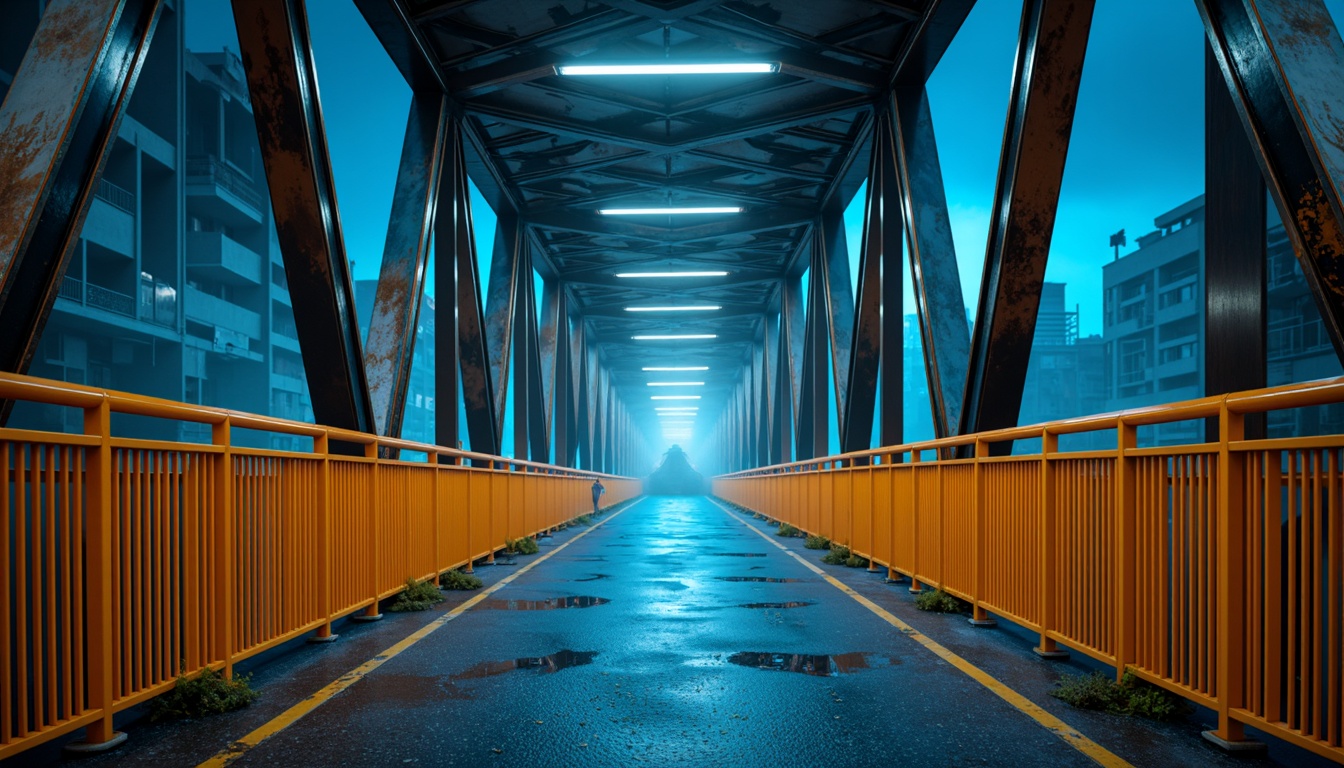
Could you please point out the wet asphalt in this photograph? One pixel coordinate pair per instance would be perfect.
(671, 634)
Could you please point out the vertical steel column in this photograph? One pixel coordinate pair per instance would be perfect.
(500, 310)
(761, 404)
(793, 345)
(1051, 48)
(816, 377)
(521, 359)
(856, 420)
(831, 271)
(774, 375)
(892, 429)
(1283, 61)
(551, 340)
(282, 82)
(59, 121)
(933, 257)
(1234, 254)
(401, 280)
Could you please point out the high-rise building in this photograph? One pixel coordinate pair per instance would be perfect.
(418, 420)
(176, 287)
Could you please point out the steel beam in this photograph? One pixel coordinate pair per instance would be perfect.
(57, 126)
(1051, 47)
(478, 387)
(1283, 61)
(933, 257)
(409, 52)
(856, 425)
(924, 47)
(1234, 255)
(401, 281)
(837, 295)
(282, 83)
(500, 311)
(554, 339)
(538, 423)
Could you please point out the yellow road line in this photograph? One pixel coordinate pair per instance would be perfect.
(1051, 723)
(287, 718)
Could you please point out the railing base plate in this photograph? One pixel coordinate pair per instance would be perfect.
(367, 617)
(984, 623)
(323, 638)
(1051, 655)
(1245, 746)
(89, 748)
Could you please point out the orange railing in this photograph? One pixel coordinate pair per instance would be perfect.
(127, 561)
(1213, 570)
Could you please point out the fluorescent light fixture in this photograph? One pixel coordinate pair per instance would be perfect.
(676, 383)
(678, 423)
(721, 68)
(681, 308)
(675, 397)
(670, 336)
(669, 211)
(673, 369)
(672, 274)
(677, 409)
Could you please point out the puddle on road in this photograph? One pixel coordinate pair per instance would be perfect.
(792, 604)
(737, 554)
(542, 664)
(821, 666)
(596, 577)
(770, 579)
(554, 603)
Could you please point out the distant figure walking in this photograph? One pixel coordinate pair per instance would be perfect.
(598, 490)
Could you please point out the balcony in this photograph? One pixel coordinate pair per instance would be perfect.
(220, 313)
(1295, 337)
(219, 257)
(220, 190)
(111, 220)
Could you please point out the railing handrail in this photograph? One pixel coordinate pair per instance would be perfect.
(34, 389)
(1300, 395)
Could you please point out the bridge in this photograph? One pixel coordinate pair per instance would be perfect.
(222, 451)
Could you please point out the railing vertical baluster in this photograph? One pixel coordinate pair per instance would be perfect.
(1126, 516)
(980, 547)
(433, 460)
(915, 458)
(98, 575)
(1049, 531)
(221, 434)
(374, 548)
(325, 566)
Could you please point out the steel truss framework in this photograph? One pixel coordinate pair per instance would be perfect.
(848, 106)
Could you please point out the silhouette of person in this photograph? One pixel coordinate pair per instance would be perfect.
(598, 490)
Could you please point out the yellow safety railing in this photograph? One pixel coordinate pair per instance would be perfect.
(1214, 570)
(128, 561)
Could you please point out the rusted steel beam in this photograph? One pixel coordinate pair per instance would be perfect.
(891, 431)
(1283, 61)
(478, 386)
(57, 126)
(837, 297)
(933, 257)
(413, 55)
(553, 337)
(1049, 65)
(401, 281)
(856, 420)
(282, 82)
(499, 305)
(1235, 358)
(538, 424)
(793, 338)
(520, 357)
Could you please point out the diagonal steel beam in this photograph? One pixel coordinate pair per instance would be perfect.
(1052, 44)
(831, 269)
(500, 305)
(551, 339)
(1283, 61)
(924, 46)
(793, 339)
(865, 361)
(913, 156)
(463, 300)
(282, 81)
(406, 47)
(57, 126)
(396, 308)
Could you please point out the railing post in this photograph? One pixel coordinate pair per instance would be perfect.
(375, 560)
(98, 578)
(221, 434)
(915, 458)
(1126, 562)
(325, 575)
(1231, 574)
(433, 461)
(1047, 648)
(979, 617)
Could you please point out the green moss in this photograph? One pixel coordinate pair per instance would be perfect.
(417, 596)
(837, 556)
(939, 601)
(459, 580)
(1131, 696)
(787, 530)
(584, 520)
(524, 546)
(817, 542)
(854, 561)
(209, 693)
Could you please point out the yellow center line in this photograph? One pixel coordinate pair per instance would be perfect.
(1051, 723)
(287, 718)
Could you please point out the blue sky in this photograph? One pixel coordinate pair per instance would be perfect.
(1137, 150)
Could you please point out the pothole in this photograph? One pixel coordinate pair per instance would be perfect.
(542, 664)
